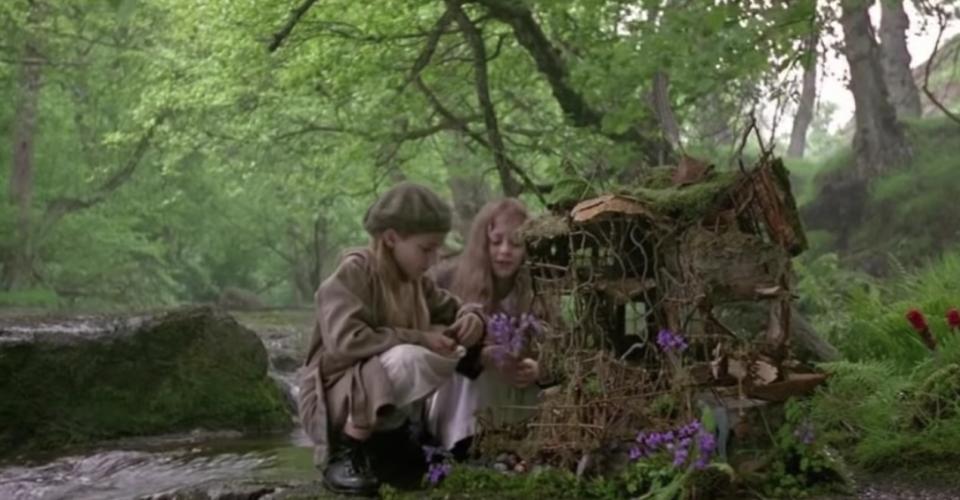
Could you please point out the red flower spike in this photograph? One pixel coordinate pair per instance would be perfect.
(953, 318)
(917, 320)
(919, 323)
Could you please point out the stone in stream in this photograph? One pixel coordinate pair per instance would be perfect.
(71, 380)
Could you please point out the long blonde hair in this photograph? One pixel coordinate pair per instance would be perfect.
(473, 279)
(402, 302)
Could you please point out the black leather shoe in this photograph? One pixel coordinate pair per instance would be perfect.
(349, 471)
(397, 458)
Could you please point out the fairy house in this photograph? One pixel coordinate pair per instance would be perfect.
(688, 251)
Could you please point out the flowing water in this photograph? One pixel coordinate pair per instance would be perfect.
(152, 470)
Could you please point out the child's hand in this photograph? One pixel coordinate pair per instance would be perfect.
(440, 343)
(527, 372)
(517, 372)
(468, 330)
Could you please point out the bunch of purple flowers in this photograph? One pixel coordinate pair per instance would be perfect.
(437, 472)
(513, 332)
(670, 341)
(438, 464)
(680, 442)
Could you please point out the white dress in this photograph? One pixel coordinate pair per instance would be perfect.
(415, 373)
(452, 411)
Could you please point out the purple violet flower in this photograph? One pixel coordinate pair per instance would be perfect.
(437, 472)
(681, 442)
(805, 433)
(671, 342)
(511, 333)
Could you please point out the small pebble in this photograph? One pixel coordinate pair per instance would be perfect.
(500, 467)
(520, 468)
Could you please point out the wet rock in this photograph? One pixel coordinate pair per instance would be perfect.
(285, 361)
(83, 378)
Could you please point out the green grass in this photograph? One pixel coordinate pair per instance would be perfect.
(34, 298)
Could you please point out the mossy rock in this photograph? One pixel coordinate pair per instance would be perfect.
(67, 381)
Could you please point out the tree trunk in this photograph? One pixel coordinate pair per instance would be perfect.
(662, 108)
(470, 193)
(306, 258)
(467, 185)
(808, 96)
(713, 125)
(18, 266)
(896, 60)
(879, 141)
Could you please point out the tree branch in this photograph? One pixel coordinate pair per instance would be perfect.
(461, 125)
(477, 46)
(292, 21)
(58, 207)
(548, 61)
(433, 39)
(942, 19)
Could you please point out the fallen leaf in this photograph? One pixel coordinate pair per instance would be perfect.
(796, 384)
(765, 372)
(609, 203)
(690, 171)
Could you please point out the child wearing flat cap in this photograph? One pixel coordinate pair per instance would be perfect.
(375, 353)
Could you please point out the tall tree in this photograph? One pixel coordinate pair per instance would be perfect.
(879, 141)
(808, 97)
(18, 265)
(904, 94)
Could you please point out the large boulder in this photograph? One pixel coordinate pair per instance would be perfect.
(70, 380)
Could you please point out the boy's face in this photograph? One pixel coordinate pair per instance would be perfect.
(415, 253)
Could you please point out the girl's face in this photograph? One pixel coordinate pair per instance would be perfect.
(415, 253)
(505, 248)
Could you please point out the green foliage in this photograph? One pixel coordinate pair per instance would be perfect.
(265, 160)
(869, 323)
(825, 289)
(34, 298)
(890, 417)
(802, 463)
(648, 479)
(892, 402)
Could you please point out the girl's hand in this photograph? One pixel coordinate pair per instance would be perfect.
(468, 330)
(517, 372)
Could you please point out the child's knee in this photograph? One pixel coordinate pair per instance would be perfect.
(405, 355)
